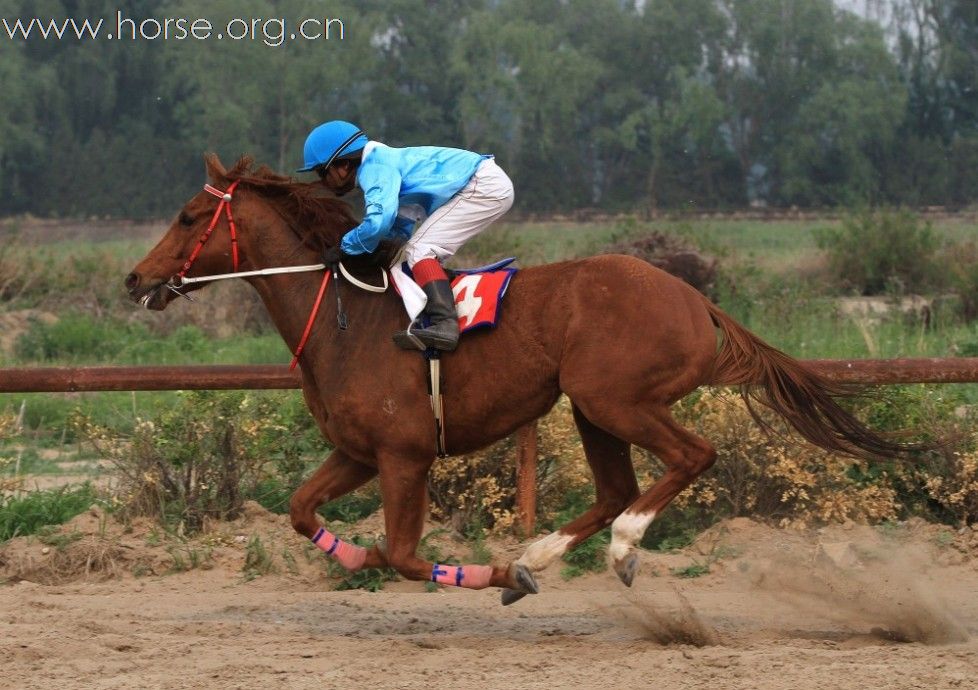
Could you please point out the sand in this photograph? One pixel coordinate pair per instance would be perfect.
(843, 607)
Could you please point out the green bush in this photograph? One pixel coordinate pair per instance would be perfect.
(201, 458)
(27, 513)
(878, 252)
(962, 274)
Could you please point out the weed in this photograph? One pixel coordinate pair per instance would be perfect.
(51, 536)
(691, 571)
(290, 564)
(179, 563)
(891, 528)
(370, 579)
(480, 552)
(188, 557)
(475, 534)
(258, 561)
(430, 551)
(587, 557)
(201, 558)
(352, 507)
(27, 513)
(674, 542)
(200, 458)
(725, 551)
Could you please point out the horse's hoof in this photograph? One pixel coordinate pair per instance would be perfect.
(626, 568)
(511, 596)
(524, 578)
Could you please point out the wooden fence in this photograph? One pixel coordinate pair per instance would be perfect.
(229, 377)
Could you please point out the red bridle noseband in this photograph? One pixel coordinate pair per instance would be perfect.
(225, 205)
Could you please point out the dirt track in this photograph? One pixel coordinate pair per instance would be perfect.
(799, 622)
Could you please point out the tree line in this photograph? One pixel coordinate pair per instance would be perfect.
(610, 104)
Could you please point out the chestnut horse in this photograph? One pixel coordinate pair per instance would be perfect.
(622, 339)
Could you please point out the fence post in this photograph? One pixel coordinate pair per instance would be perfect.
(526, 478)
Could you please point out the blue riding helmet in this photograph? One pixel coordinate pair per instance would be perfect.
(329, 141)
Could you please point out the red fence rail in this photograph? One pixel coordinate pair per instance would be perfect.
(237, 377)
(275, 376)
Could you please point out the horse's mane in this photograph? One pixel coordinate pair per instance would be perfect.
(319, 219)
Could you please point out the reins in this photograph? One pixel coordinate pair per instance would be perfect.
(181, 279)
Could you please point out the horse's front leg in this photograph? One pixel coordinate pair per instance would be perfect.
(336, 477)
(405, 495)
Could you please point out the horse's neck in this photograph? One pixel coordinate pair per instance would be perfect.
(290, 298)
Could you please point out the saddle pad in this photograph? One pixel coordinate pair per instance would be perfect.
(488, 268)
(478, 296)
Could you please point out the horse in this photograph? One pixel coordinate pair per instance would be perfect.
(620, 338)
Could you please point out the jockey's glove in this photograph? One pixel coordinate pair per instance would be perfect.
(334, 255)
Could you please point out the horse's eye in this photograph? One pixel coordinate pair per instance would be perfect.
(185, 219)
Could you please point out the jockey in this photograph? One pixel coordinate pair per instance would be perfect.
(436, 198)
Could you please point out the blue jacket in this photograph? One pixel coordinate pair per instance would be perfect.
(427, 176)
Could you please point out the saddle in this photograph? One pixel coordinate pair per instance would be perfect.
(478, 292)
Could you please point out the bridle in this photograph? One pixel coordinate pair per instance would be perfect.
(223, 205)
(180, 279)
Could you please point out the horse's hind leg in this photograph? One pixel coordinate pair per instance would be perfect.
(404, 490)
(615, 489)
(685, 455)
(336, 477)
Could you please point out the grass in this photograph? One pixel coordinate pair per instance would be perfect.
(369, 579)
(258, 560)
(590, 556)
(777, 245)
(674, 542)
(691, 571)
(27, 513)
(187, 557)
(49, 535)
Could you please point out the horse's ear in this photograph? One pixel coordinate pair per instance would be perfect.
(216, 171)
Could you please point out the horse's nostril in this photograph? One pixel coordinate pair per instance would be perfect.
(132, 281)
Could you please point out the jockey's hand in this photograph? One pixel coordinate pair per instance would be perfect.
(334, 255)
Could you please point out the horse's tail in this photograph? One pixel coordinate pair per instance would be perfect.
(805, 399)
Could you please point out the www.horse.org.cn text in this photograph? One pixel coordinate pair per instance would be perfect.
(272, 32)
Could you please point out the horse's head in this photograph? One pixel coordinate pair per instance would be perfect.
(243, 220)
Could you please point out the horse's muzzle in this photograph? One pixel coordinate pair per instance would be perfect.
(154, 297)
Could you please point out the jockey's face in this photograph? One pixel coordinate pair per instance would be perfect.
(340, 177)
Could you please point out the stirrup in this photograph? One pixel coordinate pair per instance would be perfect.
(422, 339)
(407, 340)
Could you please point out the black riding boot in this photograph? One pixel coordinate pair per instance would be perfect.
(442, 334)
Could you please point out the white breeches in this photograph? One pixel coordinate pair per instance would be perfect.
(486, 197)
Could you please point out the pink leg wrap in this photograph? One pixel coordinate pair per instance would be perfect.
(350, 556)
(470, 576)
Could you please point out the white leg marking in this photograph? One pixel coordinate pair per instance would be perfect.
(627, 531)
(543, 552)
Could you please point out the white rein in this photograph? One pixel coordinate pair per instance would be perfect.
(178, 282)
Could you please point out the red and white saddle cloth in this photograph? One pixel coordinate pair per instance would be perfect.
(478, 292)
